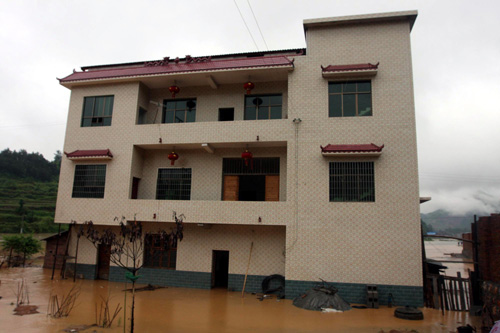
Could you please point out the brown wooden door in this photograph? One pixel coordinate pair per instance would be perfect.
(104, 255)
(231, 188)
(272, 188)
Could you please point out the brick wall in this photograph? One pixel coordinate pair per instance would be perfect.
(488, 234)
(491, 299)
(50, 249)
(467, 246)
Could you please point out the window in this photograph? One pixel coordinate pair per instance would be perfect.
(226, 114)
(350, 99)
(89, 181)
(263, 107)
(142, 116)
(352, 181)
(179, 111)
(157, 253)
(97, 111)
(173, 184)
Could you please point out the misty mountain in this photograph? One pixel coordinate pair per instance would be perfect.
(445, 223)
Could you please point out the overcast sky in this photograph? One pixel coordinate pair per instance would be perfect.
(456, 65)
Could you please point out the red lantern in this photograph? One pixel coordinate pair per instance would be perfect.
(173, 156)
(248, 87)
(246, 156)
(174, 90)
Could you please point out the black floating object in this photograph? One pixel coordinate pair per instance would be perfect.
(409, 313)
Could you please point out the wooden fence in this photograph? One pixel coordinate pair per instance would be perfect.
(449, 292)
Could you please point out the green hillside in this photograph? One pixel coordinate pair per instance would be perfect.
(446, 223)
(28, 191)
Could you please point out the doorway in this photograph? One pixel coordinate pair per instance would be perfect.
(252, 188)
(220, 269)
(103, 258)
(135, 187)
(226, 114)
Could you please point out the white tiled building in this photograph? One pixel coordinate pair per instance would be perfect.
(331, 191)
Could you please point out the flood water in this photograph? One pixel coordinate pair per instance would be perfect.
(439, 249)
(195, 310)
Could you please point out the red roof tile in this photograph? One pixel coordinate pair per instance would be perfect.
(363, 148)
(354, 67)
(172, 67)
(103, 153)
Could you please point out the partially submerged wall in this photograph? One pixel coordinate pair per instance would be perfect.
(488, 237)
(491, 299)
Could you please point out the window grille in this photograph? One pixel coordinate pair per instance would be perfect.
(89, 181)
(352, 181)
(173, 184)
(157, 253)
(261, 166)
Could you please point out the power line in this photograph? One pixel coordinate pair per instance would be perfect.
(241, 15)
(258, 26)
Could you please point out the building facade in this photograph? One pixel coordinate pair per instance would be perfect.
(330, 191)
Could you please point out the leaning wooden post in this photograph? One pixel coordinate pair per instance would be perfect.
(76, 256)
(55, 254)
(246, 274)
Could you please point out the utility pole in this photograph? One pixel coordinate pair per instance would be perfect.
(21, 212)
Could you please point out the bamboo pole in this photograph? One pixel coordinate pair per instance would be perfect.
(246, 274)
(55, 255)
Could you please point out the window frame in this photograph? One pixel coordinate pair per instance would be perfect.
(93, 188)
(175, 110)
(358, 185)
(245, 107)
(97, 120)
(357, 93)
(178, 196)
(163, 249)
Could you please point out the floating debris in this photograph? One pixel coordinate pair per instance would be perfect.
(78, 328)
(322, 297)
(22, 310)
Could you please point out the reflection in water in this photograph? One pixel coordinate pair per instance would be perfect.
(441, 249)
(197, 310)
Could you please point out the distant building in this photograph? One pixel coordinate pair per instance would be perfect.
(331, 188)
(53, 243)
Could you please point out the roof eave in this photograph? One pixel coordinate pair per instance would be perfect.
(353, 154)
(341, 74)
(70, 83)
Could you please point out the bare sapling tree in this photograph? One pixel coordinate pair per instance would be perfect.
(106, 317)
(22, 293)
(127, 247)
(59, 307)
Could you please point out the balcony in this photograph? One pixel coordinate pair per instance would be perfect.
(212, 184)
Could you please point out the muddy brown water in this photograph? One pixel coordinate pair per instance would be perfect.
(441, 250)
(195, 310)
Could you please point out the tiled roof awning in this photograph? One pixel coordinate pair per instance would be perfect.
(350, 70)
(103, 154)
(167, 67)
(352, 150)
